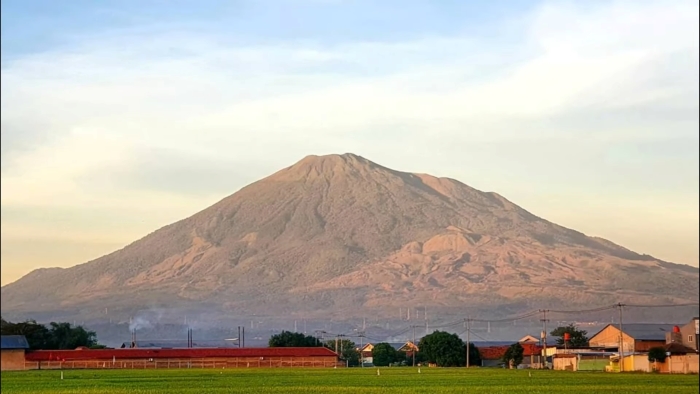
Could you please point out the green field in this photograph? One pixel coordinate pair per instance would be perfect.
(353, 380)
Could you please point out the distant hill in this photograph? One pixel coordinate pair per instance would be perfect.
(342, 236)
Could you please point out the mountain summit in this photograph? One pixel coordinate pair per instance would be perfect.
(334, 234)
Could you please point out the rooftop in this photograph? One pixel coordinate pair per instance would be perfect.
(13, 342)
(648, 332)
(121, 354)
(677, 348)
(644, 331)
(497, 352)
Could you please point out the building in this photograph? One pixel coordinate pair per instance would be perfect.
(406, 347)
(680, 359)
(636, 337)
(689, 334)
(529, 339)
(492, 356)
(182, 358)
(12, 349)
(565, 362)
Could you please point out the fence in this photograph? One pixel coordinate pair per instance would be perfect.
(185, 363)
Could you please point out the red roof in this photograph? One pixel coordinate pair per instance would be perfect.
(136, 353)
(497, 352)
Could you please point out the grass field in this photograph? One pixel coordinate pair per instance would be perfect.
(353, 380)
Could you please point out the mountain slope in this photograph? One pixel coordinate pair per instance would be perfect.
(333, 233)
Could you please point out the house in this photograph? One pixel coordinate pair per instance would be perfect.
(182, 358)
(366, 350)
(406, 347)
(565, 362)
(680, 359)
(689, 334)
(529, 339)
(492, 356)
(12, 350)
(636, 337)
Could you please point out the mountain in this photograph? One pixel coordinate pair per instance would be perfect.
(341, 236)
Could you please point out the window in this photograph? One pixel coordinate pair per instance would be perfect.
(690, 338)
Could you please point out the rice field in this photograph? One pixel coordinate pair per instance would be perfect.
(353, 380)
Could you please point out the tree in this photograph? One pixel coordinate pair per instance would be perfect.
(293, 339)
(58, 336)
(384, 354)
(577, 338)
(66, 337)
(657, 354)
(38, 336)
(474, 355)
(513, 355)
(444, 349)
(347, 351)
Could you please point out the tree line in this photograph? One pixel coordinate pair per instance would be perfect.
(440, 348)
(55, 336)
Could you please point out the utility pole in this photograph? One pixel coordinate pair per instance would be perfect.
(544, 321)
(425, 316)
(622, 361)
(468, 342)
(362, 355)
(413, 352)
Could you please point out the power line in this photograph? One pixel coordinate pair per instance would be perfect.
(514, 318)
(659, 306)
(527, 315)
(601, 309)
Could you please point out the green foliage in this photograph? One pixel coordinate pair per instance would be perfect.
(67, 337)
(347, 351)
(578, 337)
(444, 349)
(513, 355)
(341, 381)
(293, 339)
(57, 336)
(384, 354)
(657, 354)
(407, 358)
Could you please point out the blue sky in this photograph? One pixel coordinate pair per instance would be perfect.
(29, 26)
(122, 116)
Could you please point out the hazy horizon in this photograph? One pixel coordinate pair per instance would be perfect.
(121, 117)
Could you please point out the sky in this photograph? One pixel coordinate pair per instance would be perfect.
(119, 117)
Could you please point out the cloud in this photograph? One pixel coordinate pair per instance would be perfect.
(167, 118)
(177, 172)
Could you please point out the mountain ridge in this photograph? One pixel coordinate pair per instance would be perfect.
(333, 231)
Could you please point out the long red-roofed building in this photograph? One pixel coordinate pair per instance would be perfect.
(182, 358)
(492, 355)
